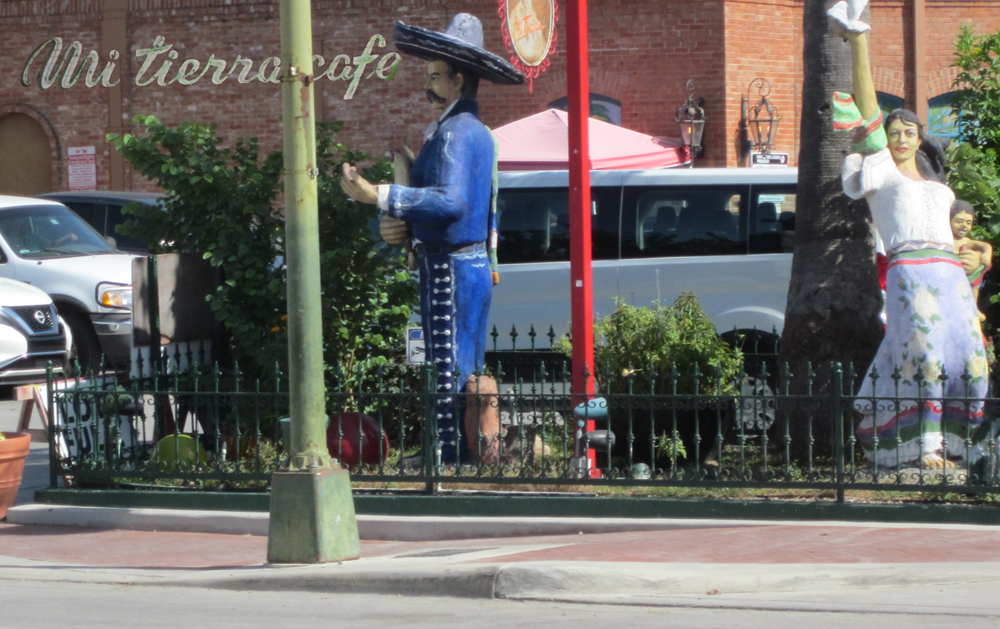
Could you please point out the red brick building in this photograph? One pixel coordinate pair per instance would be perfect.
(642, 53)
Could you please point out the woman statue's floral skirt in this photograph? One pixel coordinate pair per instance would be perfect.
(923, 394)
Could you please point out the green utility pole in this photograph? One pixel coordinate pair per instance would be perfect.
(312, 510)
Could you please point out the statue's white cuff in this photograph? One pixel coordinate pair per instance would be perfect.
(383, 197)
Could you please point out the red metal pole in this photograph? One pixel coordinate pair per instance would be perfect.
(581, 290)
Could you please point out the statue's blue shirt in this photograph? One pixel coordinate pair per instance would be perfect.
(448, 200)
(447, 204)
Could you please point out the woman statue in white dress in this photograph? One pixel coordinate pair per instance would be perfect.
(921, 400)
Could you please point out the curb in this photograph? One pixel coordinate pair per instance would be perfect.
(393, 527)
(370, 527)
(547, 505)
(566, 580)
(485, 574)
(576, 581)
(174, 520)
(468, 581)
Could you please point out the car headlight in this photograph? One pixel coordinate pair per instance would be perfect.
(114, 296)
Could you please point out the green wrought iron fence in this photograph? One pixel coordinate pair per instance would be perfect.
(203, 427)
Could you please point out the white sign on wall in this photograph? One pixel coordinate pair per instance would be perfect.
(82, 166)
(771, 160)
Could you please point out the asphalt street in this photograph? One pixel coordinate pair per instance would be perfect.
(91, 606)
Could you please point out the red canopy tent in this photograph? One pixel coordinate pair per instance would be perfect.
(539, 142)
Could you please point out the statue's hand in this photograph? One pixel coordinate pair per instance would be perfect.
(970, 260)
(394, 231)
(357, 187)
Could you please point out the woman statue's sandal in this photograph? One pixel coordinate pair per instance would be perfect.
(846, 16)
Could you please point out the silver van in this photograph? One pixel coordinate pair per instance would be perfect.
(723, 234)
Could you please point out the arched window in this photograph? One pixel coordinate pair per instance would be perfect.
(888, 102)
(942, 120)
(601, 107)
(26, 157)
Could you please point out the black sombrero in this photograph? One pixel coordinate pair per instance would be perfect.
(461, 45)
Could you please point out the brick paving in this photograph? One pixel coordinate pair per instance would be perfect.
(130, 549)
(778, 544)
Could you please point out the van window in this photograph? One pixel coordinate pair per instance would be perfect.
(772, 219)
(123, 242)
(679, 221)
(92, 213)
(533, 225)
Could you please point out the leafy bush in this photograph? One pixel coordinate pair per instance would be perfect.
(978, 81)
(368, 293)
(656, 350)
(220, 202)
(646, 346)
(973, 163)
(972, 174)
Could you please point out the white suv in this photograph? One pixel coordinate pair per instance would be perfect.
(31, 334)
(43, 243)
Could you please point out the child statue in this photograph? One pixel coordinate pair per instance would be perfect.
(976, 256)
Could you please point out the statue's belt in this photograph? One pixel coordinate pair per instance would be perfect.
(437, 250)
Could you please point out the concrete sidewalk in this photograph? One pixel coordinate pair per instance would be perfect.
(609, 560)
(541, 558)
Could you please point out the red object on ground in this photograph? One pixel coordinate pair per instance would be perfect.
(540, 142)
(342, 439)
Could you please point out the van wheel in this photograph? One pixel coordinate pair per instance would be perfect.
(86, 349)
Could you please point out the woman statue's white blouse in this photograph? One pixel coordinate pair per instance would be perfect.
(904, 210)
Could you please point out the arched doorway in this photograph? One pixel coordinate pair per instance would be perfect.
(25, 156)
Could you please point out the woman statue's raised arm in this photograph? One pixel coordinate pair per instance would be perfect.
(864, 87)
(860, 112)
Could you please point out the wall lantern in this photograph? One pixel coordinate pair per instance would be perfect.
(691, 118)
(760, 122)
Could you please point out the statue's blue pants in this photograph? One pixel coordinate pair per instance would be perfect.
(455, 292)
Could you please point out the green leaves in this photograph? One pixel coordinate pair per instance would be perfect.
(221, 203)
(648, 346)
(973, 163)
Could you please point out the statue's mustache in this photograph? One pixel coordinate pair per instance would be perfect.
(434, 98)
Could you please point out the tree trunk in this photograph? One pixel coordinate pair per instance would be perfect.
(834, 298)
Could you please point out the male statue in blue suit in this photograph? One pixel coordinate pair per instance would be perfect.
(445, 207)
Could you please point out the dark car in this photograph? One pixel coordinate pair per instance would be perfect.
(103, 210)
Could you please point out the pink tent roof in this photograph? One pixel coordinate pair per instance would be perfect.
(539, 142)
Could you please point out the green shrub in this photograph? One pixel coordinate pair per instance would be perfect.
(221, 202)
(973, 163)
(648, 347)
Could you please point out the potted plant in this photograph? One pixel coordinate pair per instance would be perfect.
(13, 451)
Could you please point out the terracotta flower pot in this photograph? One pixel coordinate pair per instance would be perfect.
(13, 452)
